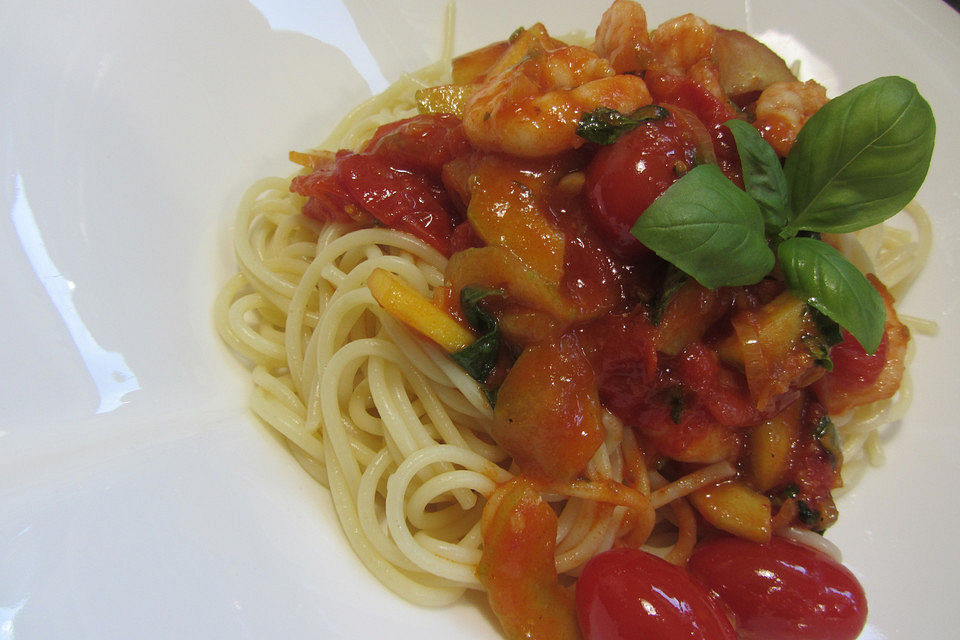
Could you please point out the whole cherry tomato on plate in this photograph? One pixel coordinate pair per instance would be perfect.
(628, 594)
(781, 590)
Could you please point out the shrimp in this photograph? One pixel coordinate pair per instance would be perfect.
(783, 108)
(622, 37)
(532, 107)
(725, 62)
(681, 43)
(681, 46)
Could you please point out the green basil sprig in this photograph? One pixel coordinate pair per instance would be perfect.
(856, 162)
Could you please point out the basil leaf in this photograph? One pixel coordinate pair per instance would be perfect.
(604, 125)
(832, 285)
(479, 357)
(762, 174)
(861, 158)
(708, 228)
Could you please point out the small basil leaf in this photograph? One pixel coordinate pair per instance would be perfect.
(832, 285)
(829, 439)
(604, 125)
(479, 357)
(861, 158)
(762, 174)
(708, 228)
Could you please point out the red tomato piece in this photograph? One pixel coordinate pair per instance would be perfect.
(781, 590)
(856, 368)
(427, 142)
(628, 594)
(722, 391)
(364, 185)
(625, 362)
(625, 177)
(328, 200)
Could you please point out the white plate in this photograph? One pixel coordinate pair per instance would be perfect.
(139, 498)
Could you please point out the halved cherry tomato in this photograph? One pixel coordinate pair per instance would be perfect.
(625, 177)
(628, 594)
(781, 590)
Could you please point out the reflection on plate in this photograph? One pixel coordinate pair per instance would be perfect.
(140, 499)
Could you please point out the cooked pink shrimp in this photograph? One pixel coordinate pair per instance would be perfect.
(532, 108)
(622, 37)
(782, 110)
(681, 42)
(707, 74)
(681, 46)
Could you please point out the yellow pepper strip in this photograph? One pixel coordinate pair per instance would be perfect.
(410, 307)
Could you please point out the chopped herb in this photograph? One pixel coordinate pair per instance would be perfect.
(806, 515)
(823, 425)
(491, 395)
(479, 358)
(516, 34)
(829, 330)
(829, 438)
(604, 125)
(818, 349)
(676, 405)
(672, 281)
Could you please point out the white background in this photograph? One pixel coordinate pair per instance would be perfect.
(138, 498)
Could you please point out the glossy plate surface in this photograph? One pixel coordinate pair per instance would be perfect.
(138, 498)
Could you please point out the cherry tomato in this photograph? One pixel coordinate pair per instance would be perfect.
(624, 178)
(781, 590)
(628, 594)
